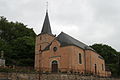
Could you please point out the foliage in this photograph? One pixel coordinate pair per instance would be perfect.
(111, 56)
(7, 70)
(17, 41)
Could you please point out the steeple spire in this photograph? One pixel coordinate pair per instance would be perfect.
(46, 25)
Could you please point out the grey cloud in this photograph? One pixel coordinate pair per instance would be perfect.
(90, 21)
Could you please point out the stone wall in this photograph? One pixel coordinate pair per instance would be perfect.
(36, 76)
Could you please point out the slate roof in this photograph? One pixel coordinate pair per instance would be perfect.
(63, 38)
(46, 26)
(66, 40)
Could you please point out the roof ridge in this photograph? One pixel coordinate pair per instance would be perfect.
(66, 39)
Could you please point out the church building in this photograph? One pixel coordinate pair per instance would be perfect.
(65, 54)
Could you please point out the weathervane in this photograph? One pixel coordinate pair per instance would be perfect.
(47, 6)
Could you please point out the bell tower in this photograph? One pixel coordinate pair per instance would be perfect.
(43, 40)
(46, 36)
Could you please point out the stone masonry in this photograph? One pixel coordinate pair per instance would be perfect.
(36, 76)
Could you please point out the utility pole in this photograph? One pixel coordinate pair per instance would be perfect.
(39, 64)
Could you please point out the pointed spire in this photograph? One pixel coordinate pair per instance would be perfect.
(46, 25)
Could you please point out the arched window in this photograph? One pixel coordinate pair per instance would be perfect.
(54, 62)
(80, 59)
(95, 69)
(40, 48)
(40, 38)
(102, 67)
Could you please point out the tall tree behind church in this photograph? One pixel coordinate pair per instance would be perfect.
(17, 41)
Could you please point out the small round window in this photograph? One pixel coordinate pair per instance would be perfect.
(55, 49)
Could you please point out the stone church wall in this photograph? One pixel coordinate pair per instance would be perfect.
(36, 76)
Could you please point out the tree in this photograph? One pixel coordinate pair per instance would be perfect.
(17, 41)
(111, 57)
(107, 52)
(23, 51)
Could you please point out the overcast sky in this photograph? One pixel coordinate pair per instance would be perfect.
(90, 21)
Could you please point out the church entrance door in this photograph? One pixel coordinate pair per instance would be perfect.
(54, 66)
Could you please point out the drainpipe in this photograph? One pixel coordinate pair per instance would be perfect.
(39, 64)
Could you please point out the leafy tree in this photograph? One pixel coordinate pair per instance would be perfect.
(111, 57)
(17, 41)
(24, 47)
(106, 51)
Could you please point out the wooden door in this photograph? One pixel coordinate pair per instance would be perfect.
(54, 66)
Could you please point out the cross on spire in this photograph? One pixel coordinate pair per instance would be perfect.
(47, 6)
(46, 29)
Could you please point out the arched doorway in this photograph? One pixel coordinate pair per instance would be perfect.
(54, 66)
